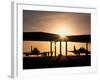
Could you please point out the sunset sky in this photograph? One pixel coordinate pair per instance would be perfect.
(42, 21)
(55, 22)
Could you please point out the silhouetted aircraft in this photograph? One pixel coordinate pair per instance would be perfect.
(35, 51)
(80, 51)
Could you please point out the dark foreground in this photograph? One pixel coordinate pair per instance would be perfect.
(54, 62)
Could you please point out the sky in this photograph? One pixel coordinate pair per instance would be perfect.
(68, 23)
(52, 22)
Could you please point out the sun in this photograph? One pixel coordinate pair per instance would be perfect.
(62, 32)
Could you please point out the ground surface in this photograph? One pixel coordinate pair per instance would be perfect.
(52, 62)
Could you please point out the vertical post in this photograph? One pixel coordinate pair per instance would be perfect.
(66, 47)
(87, 46)
(60, 47)
(55, 48)
(51, 47)
(31, 49)
(48, 54)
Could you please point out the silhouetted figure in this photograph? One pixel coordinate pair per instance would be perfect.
(81, 50)
(59, 55)
(35, 51)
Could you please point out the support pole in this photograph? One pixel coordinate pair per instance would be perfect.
(87, 46)
(48, 54)
(55, 48)
(51, 47)
(60, 48)
(31, 49)
(66, 47)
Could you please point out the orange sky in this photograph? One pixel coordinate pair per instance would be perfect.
(51, 22)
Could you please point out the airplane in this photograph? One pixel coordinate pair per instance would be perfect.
(35, 51)
(80, 51)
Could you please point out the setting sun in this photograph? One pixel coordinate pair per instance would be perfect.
(62, 32)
